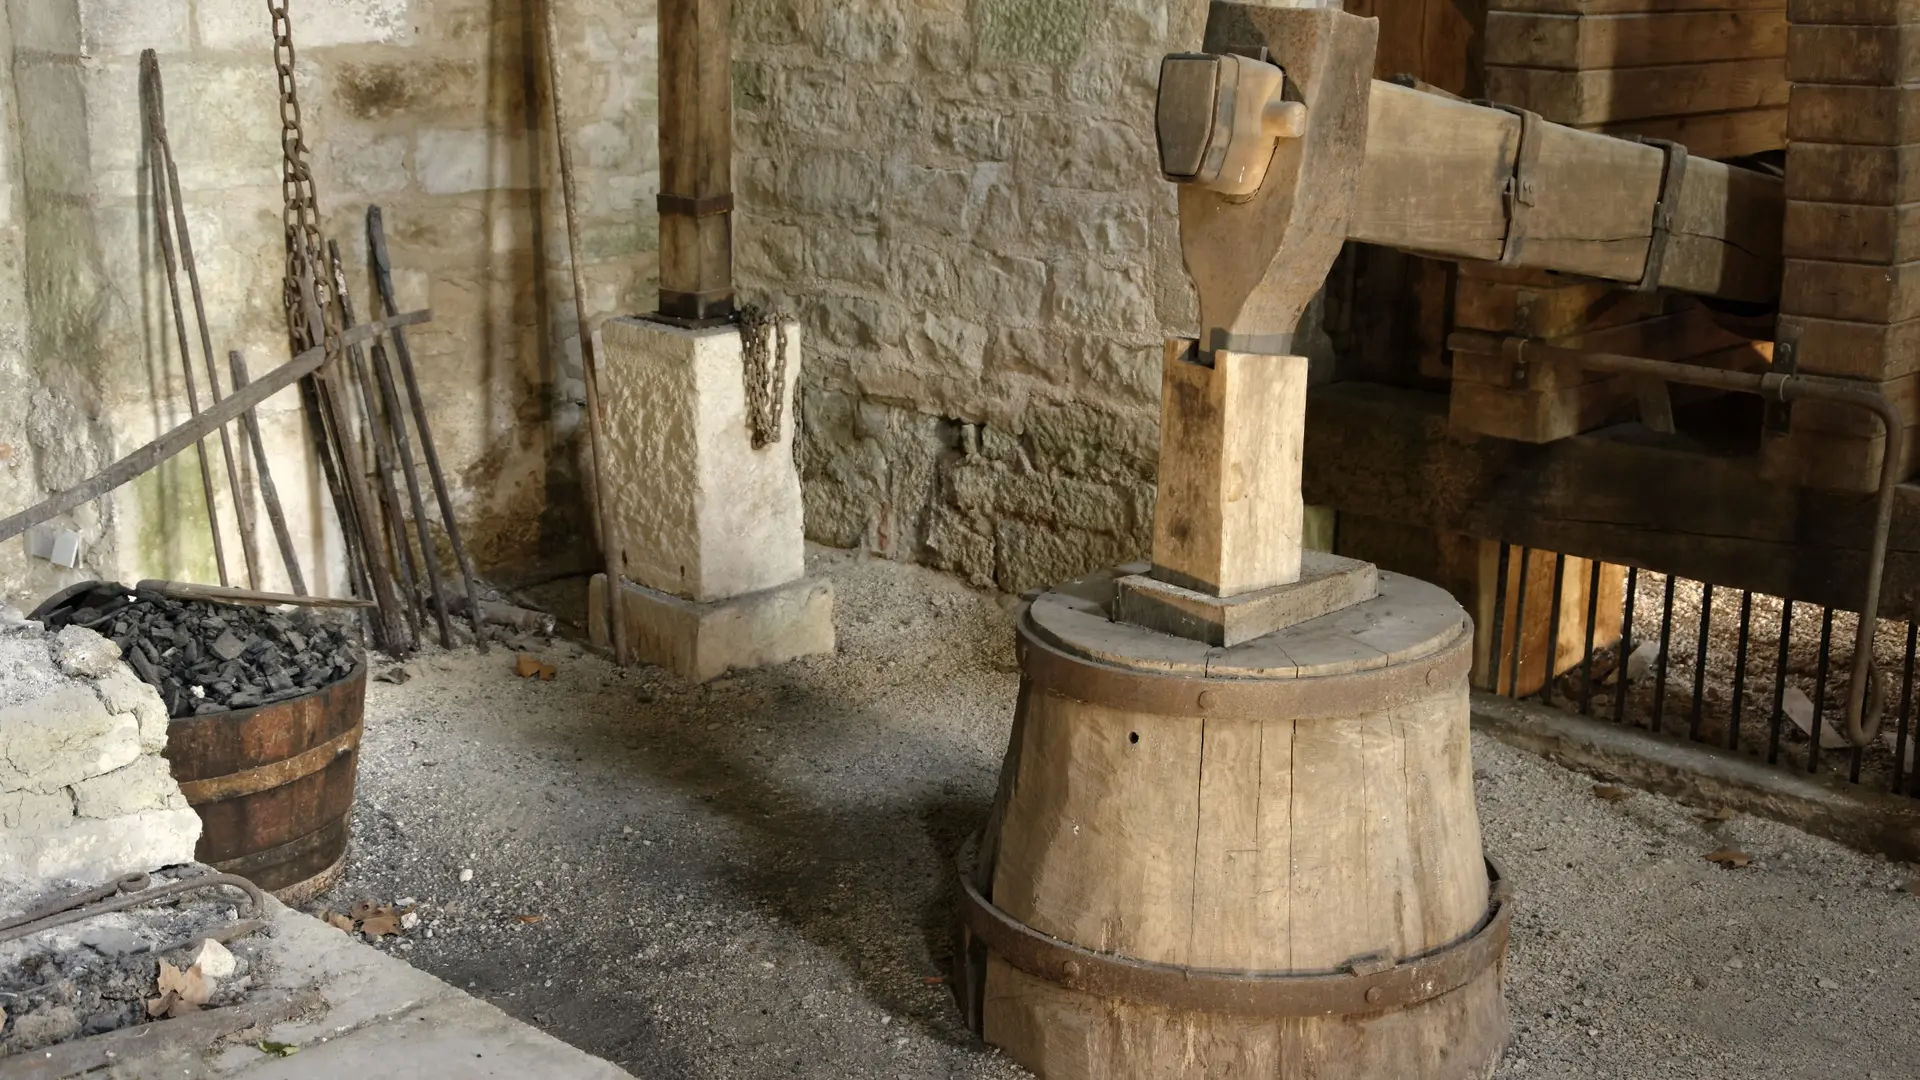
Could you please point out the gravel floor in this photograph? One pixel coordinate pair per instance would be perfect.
(748, 879)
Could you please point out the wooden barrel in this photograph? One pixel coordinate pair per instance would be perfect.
(1260, 861)
(273, 786)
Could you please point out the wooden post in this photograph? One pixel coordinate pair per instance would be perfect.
(696, 160)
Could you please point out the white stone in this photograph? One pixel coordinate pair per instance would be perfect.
(696, 511)
(214, 960)
(96, 851)
(147, 784)
(61, 739)
(84, 654)
(453, 161)
(28, 811)
(127, 26)
(123, 692)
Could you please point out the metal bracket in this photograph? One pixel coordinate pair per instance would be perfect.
(1779, 412)
(1520, 369)
(690, 206)
(1521, 186)
(1673, 173)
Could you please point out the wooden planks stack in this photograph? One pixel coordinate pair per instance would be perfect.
(1708, 74)
(1850, 297)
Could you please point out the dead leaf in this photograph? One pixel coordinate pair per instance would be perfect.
(338, 921)
(382, 926)
(548, 672)
(1731, 858)
(362, 910)
(394, 675)
(526, 665)
(531, 918)
(277, 1049)
(181, 992)
(1609, 792)
(1715, 817)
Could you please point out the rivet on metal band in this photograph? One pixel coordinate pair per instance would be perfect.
(1371, 985)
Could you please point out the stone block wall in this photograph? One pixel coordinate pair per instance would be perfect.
(84, 791)
(433, 108)
(960, 199)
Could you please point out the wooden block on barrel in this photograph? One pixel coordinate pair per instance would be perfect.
(1327, 583)
(1177, 861)
(1228, 516)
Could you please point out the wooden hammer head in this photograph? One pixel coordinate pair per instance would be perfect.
(1275, 162)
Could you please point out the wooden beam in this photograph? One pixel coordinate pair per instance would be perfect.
(1436, 173)
(1641, 39)
(1621, 495)
(696, 159)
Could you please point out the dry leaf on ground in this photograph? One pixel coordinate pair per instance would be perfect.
(548, 672)
(526, 665)
(337, 921)
(1610, 792)
(1715, 817)
(1731, 858)
(362, 909)
(181, 992)
(382, 926)
(531, 918)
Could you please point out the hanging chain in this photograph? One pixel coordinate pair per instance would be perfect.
(305, 288)
(763, 344)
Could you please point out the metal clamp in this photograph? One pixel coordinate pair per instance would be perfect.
(1522, 189)
(1673, 173)
(1367, 985)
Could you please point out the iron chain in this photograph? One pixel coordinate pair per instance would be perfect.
(305, 287)
(763, 344)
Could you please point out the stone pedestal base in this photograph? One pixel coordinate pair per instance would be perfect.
(701, 641)
(1328, 583)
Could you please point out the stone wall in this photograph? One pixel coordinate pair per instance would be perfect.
(433, 108)
(961, 200)
(84, 792)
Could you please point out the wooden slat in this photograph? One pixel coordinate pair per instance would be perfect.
(1859, 115)
(1620, 495)
(1625, 7)
(1713, 135)
(1887, 235)
(1860, 292)
(1596, 97)
(1539, 416)
(1436, 169)
(1858, 350)
(1589, 42)
(1869, 175)
(1804, 457)
(1548, 309)
(1854, 12)
(1902, 393)
(696, 154)
(1854, 55)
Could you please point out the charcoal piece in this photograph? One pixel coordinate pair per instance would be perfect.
(288, 694)
(143, 667)
(208, 708)
(243, 701)
(279, 681)
(230, 647)
(223, 688)
(279, 622)
(297, 641)
(190, 650)
(232, 669)
(252, 688)
(152, 654)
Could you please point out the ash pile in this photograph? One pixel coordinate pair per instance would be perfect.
(207, 658)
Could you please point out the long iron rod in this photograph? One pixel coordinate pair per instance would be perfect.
(269, 493)
(383, 281)
(589, 363)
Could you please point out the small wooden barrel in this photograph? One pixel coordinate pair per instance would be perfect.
(274, 786)
(1254, 862)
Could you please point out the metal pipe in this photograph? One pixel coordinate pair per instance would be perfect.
(1786, 388)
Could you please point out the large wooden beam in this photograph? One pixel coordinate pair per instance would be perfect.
(1622, 494)
(1437, 172)
(696, 159)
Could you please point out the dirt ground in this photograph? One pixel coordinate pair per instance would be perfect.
(749, 879)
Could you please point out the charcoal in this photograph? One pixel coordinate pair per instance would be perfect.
(229, 646)
(237, 657)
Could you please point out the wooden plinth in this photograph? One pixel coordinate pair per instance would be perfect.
(1253, 862)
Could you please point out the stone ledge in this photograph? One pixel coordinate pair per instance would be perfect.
(1850, 814)
(702, 641)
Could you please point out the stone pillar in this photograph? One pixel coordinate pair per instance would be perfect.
(708, 528)
(1850, 299)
